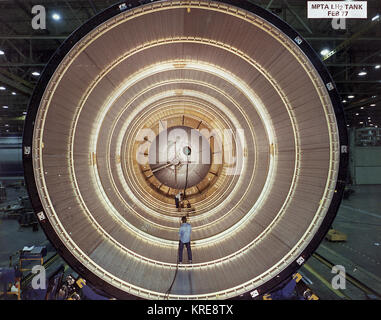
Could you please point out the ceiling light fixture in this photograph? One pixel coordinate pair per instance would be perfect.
(56, 16)
(324, 52)
(376, 17)
(351, 97)
(35, 73)
(362, 73)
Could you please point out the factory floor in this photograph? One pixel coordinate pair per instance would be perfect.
(13, 237)
(359, 218)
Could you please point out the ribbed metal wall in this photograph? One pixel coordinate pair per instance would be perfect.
(187, 62)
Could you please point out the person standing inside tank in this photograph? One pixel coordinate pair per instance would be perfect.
(185, 237)
(178, 198)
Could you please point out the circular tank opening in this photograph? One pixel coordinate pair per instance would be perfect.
(187, 150)
(170, 157)
(274, 128)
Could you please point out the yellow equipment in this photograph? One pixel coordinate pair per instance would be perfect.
(336, 236)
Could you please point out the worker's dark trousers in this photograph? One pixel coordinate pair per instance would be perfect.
(181, 247)
(177, 202)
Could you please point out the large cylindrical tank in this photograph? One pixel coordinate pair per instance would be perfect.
(11, 157)
(261, 103)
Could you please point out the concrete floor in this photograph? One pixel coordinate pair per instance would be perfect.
(12, 236)
(359, 217)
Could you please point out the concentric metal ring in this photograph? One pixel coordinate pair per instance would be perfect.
(240, 64)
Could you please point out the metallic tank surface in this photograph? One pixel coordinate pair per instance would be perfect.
(263, 109)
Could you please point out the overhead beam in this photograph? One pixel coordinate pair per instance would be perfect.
(360, 103)
(347, 43)
(15, 85)
(298, 17)
(93, 7)
(361, 61)
(352, 64)
(12, 76)
(9, 42)
(359, 81)
(336, 38)
(21, 65)
(269, 4)
(33, 37)
(364, 93)
(73, 12)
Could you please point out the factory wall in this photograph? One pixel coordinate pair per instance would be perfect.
(365, 161)
(367, 165)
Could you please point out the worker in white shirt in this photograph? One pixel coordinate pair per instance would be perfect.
(178, 200)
